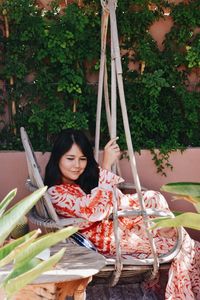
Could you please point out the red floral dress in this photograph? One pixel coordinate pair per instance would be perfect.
(70, 200)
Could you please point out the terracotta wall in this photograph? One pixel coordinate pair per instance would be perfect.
(186, 168)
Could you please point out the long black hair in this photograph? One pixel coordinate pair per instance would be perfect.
(63, 143)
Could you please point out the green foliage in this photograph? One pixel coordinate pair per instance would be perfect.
(161, 160)
(10, 218)
(45, 55)
(189, 191)
(193, 53)
(50, 55)
(22, 252)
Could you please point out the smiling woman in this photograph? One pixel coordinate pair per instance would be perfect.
(72, 161)
(72, 164)
(80, 188)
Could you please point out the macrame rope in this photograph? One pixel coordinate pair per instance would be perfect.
(109, 7)
(104, 4)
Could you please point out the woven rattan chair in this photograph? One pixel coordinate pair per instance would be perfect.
(43, 216)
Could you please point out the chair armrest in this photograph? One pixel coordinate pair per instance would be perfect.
(30, 186)
(70, 221)
(129, 186)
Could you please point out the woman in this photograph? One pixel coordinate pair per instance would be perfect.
(80, 188)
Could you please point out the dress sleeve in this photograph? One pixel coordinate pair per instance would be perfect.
(70, 200)
(107, 179)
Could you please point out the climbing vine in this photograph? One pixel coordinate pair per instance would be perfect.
(49, 56)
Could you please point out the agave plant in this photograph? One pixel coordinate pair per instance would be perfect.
(189, 191)
(22, 253)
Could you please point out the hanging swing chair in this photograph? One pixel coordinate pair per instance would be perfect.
(44, 216)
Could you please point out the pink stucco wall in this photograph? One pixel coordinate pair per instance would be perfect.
(185, 168)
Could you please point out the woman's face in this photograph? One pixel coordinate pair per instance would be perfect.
(72, 164)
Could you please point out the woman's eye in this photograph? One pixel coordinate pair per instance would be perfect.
(84, 158)
(69, 158)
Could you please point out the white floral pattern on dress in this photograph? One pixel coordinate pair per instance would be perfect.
(70, 200)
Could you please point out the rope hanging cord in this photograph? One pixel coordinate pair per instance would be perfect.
(104, 4)
(109, 9)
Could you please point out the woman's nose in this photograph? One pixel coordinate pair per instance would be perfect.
(77, 163)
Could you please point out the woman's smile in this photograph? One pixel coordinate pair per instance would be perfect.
(72, 164)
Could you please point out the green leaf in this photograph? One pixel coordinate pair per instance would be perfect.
(183, 188)
(189, 219)
(189, 191)
(10, 251)
(12, 216)
(44, 242)
(21, 269)
(16, 284)
(6, 201)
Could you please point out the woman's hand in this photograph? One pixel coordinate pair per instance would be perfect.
(111, 154)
